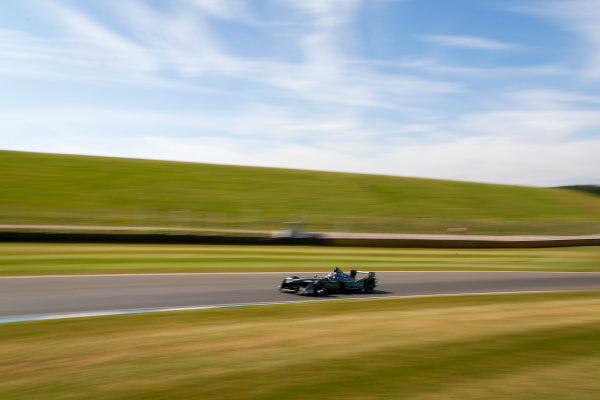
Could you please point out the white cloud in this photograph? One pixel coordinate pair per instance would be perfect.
(581, 17)
(100, 45)
(510, 147)
(460, 73)
(470, 42)
(259, 122)
(327, 14)
(144, 46)
(533, 126)
(500, 160)
(324, 108)
(227, 10)
(548, 99)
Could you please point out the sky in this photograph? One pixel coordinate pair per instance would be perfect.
(474, 90)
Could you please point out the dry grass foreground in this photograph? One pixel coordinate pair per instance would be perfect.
(518, 346)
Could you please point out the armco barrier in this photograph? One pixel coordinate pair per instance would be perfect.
(155, 238)
(462, 243)
(149, 238)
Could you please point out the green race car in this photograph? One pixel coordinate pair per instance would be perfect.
(335, 282)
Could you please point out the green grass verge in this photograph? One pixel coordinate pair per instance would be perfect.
(25, 258)
(40, 188)
(518, 346)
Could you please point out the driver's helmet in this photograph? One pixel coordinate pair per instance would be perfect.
(331, 276)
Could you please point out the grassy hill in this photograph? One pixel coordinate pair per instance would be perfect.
(65, 189)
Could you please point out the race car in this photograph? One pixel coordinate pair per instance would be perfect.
(335, 282)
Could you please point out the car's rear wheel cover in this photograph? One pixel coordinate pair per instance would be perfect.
(369, 285)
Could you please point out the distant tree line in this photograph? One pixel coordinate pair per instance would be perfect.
(593, 189)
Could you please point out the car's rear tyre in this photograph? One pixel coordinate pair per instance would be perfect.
(369, 286)
(320, 289)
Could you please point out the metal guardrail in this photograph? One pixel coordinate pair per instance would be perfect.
(406, 241)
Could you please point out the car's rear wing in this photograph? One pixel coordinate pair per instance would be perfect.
(371, 274)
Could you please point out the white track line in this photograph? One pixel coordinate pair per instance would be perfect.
(85, 314)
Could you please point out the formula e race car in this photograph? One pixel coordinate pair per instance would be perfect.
(335, 282)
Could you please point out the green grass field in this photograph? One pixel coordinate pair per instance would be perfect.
(518, 346)
(22, 258)
(38, 188)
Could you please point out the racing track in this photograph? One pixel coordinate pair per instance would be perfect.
(36, 297)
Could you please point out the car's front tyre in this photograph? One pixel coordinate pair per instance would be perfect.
(286, 287)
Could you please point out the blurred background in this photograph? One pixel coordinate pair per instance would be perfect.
(47, 189)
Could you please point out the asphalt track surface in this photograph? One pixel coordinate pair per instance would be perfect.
(55, 295)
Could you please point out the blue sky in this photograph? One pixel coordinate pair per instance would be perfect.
(477, 90)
